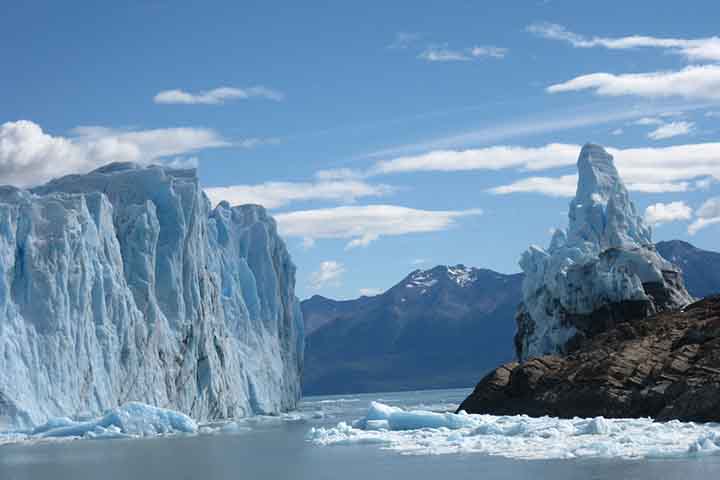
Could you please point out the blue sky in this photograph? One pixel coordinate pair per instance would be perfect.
(382, 137)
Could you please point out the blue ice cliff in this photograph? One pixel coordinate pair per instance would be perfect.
(124, 285)
(603, 270)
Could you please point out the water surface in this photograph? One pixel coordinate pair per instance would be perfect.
(277, 448)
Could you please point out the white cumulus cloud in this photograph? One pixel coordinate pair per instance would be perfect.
(660, 213)
(29, 156)
(362, 225)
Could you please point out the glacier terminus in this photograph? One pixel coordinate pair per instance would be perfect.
(124, 285)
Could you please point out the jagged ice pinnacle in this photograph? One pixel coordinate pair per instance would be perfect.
(602, 270)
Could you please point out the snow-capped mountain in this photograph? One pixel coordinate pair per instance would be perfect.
(334, 326)
(124, 285)
(603, 270)
(436, 328)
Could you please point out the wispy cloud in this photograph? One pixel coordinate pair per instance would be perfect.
(29, 156)
(707, 49)
(694, 82)
(660, 213)
(328, 273)
(536, 125)
(670, 130)
(362, 225)
(488, 51)
(404, 40)
(678, 168)
(216, 96)
(370, 292)
(648, 121)
(708, 214)
(442, 53)
(278, 194)
(488, 158)
(563, 186)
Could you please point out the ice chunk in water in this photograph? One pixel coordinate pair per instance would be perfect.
(428, 433)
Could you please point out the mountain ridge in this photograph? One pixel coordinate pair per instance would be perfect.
(320, 311)
(409, 336)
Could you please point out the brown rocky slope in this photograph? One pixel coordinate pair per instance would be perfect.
(666, 366)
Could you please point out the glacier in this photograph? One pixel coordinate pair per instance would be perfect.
(603, 269)
(124, 285)
(422, 432)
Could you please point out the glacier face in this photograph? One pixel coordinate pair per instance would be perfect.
(603, 269)
(124, 285)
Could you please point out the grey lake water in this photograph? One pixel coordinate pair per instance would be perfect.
(282, 447)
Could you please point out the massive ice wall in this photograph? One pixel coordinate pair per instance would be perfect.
(124, 285)
(602, 270)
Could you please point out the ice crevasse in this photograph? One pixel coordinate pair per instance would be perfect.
(124, 285)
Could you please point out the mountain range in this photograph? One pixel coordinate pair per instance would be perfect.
(438, 328)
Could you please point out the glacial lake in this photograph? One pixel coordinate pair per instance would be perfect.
(287, 447)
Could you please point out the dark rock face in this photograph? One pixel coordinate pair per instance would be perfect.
(701, 268)
(437, 328)
(666, 366)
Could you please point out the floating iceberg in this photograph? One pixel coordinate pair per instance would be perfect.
(124, 285)
(133, 419)
(385, 417)
(520, 437)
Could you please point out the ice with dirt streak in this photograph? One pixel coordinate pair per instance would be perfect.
(125, 285)
(421, 432)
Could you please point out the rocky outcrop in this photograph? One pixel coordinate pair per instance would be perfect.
(124, 285)
(666, 366)
(603, 270)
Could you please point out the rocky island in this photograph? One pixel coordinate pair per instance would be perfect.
(606, 326)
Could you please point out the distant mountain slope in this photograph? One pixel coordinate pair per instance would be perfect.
(414, 335)
(321, 310)
(701, 268)
(417, 333)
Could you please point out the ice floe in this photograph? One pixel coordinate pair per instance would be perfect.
(131, 420)
(419, 432)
